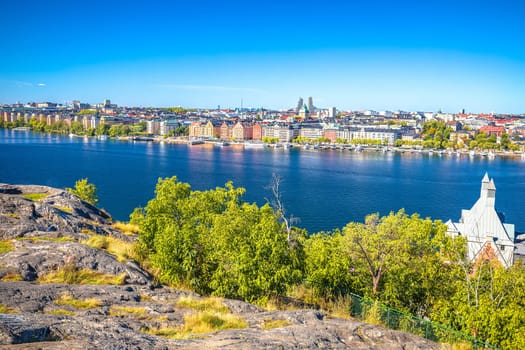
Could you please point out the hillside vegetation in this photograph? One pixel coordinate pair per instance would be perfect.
(214, 243)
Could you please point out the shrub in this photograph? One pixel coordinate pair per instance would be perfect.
(85, 191)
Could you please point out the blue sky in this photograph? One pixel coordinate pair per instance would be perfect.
(409, 55)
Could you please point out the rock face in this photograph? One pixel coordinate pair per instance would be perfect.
(45, 232)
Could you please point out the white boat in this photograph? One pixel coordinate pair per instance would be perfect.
(253, 145)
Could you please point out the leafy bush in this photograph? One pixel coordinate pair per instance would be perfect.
(85, 191)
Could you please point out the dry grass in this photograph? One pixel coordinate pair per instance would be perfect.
(49, 239)
(373, 315)
(35, 196)
(120, 249)
(271, 324)
(70, 275)
(12, 277)
(12, 215)
(123, 311)
(64, 209)
(7, 310)
(6, 247)
(212, 304)
(340, 307)
(67, 300)
(200, 323)
(126, 228)
(145, 297)
(62, 312)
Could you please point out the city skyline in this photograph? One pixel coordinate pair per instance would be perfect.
(404, 56)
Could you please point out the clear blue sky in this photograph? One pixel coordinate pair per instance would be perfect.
(409, 55)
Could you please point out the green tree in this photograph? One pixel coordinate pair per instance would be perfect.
(213, 242)
(505, 141)
(85, 191)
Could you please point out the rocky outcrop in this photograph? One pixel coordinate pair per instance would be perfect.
(45, 233)
(101, 328)
(55, 213)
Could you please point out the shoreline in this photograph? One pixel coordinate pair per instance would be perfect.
(250, 144)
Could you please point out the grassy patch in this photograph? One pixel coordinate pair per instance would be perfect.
(212, 304)
(200, 323)
(73, 276)
(7, 310)
(64, 209)
(145, 297)
(12, 277)
(126, 228)
(121, 249)
(49, 239)
(12, 215)
(63, 312)
(67, 300)
(6, 247)
(35, 196)
(122, 311)
(271, 324)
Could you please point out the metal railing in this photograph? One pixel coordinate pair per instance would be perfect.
(373, 312)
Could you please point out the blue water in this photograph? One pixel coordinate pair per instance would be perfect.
(325, 189)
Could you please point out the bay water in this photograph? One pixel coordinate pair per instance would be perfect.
(324, 189)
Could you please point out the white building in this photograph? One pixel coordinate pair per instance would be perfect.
(487, 236)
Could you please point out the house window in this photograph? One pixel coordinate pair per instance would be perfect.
(502, 247)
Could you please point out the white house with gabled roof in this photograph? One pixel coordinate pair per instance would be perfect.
(488, 237)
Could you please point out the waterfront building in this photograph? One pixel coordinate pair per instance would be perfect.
(152, 126)
(212, 129)
(488, 236)
(225, 131)
(257, 132)
(166, 126)
(311, 131)
(195, 129)
(388, 136)
(242, 131)
(331, 134)
(282, 132)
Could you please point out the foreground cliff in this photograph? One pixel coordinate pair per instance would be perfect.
(48, 237)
